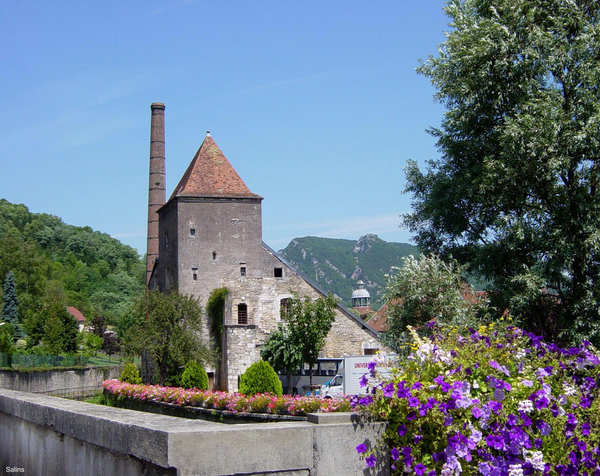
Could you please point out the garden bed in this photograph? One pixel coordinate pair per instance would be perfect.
(217, 406)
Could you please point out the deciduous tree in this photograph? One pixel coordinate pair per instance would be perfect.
(167, 326)
(516, 193)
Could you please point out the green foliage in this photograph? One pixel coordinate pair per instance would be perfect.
(336, 265)
(90, 343)
(516, 190)
(302, 336)
(260, 378)
(167, 326)
(52, 329)
(10, 303)
(194, 376)
(96, 271)
(6, 338)
(427, 289)
(281, 352)
(215, 306)
(130, 374)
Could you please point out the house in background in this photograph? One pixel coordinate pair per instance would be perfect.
(79, 317)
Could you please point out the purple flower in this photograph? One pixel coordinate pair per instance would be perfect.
(495, 441)
(586, 402)
(362, 448)
(395, 453)
(585, 429)
(402, 392)
(541, 403)
(543, 427)
(363, 381)
(581, 446)
(500, 368)
(420, 469)
(401, 429)
(371, 460)
(495, 406)
(388, 390)
(417, 385)
(413, 402)
(477, 412)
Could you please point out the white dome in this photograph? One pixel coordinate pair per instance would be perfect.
(360, 293)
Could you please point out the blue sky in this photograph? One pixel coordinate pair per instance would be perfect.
(316, 104)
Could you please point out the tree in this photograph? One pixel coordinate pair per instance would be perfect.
(283, 353)
(515, 195)
(426, 289)
(303, 335)
(167, 326)
(52, 326)
(10, 303)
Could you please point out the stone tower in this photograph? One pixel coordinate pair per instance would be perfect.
(210, 227)
(156, 188)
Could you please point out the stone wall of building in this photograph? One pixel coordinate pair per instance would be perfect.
(241, 350)
(262, 296)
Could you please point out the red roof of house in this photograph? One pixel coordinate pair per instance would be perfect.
(76, 313)
(211, 174)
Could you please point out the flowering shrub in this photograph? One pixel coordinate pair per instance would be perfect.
(234, 402)
(496, 401)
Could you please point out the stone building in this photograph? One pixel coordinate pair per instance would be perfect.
(209, 236)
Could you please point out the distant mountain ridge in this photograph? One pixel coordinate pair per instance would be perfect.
(337, 264)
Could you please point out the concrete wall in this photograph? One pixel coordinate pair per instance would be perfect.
(48, 436)
(67, 383)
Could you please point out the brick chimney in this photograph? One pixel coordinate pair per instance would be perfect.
(156, 190)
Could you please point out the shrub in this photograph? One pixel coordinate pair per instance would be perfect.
(260, 378)
(194, 376)
(130, 374)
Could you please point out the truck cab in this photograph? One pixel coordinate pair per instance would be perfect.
(334, 388)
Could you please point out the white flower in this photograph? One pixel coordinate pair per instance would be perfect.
(424, 350)
(535, 458)
(526, 406)
(515, 470)
(520, 354)
(570, 390)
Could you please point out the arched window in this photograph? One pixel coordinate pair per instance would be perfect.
(284, 308)
(242, 313)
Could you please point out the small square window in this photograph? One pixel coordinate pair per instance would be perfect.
(278, 272)
(242, 271)
(192, 232)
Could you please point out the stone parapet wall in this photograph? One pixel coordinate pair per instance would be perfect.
(67, 383)
(47, 436)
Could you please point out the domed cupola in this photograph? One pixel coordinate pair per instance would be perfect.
(360, 296)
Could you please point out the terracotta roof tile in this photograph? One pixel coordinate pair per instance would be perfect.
(211, 174)
(76, 313)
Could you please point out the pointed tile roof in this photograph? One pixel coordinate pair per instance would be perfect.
(210, 174)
